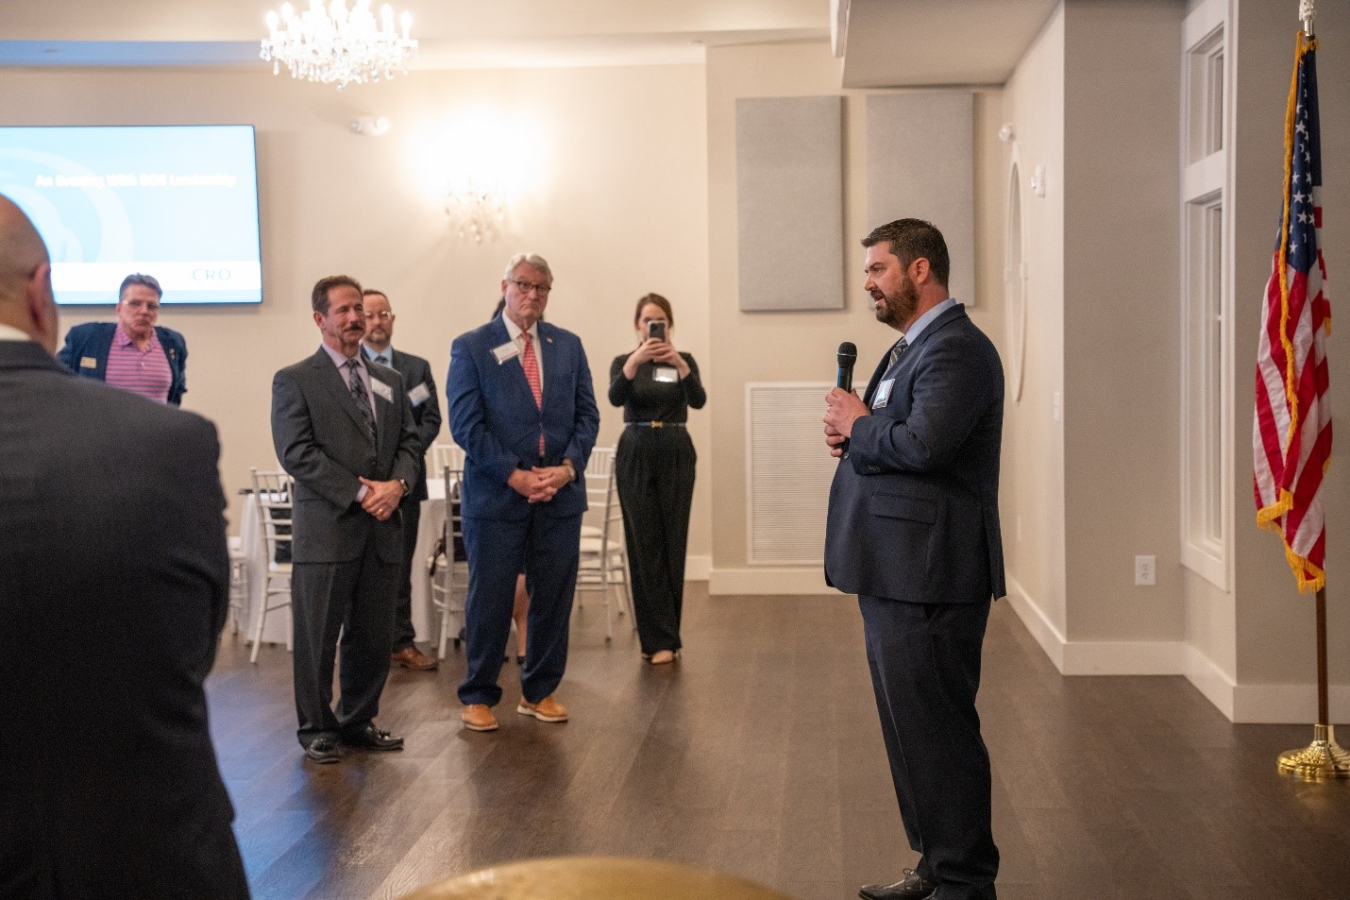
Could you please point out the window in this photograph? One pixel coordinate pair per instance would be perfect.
(1207, 299)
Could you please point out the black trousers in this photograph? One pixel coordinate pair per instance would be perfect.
(925, 663)
(404, 633)
(354, 599)
(654, 470)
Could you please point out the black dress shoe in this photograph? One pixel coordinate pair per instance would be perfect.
(323, 749)
(911, 887)
(368, 737)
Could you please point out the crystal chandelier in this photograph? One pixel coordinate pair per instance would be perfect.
(335, 45)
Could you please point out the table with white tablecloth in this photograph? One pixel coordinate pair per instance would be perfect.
(278, 625)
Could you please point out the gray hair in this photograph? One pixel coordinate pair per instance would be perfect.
(143, 280)
(533, 259)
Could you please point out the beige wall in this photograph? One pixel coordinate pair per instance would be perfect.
(799, 346)
(1033, 440)
(617, 203)
(1121, 289)
(1101, 87)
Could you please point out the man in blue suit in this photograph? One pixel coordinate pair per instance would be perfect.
(913, 530)
(521, 405)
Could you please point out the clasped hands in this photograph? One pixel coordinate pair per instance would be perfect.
(541, 483)
(382, 498)
(842, 409)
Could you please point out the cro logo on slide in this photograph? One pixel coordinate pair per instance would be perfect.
(212, 275)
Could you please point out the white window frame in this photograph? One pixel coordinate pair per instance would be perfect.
(1207, 461)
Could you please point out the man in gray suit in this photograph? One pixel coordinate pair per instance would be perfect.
(913, 530)
(426, 408)
(113, 522)
(343, 429)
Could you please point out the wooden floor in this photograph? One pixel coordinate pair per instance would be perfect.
(759, 753)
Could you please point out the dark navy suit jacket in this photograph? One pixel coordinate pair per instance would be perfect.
(493, 416)
(93, 341)
(914, 504)
(113, 522)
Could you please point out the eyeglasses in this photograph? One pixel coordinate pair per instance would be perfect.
(384, 316)
(526, 286)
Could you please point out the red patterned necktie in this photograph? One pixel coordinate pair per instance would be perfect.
(530, 364)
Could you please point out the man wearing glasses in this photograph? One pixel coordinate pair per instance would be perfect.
(521, 405)
(132, 353)
(426, 409)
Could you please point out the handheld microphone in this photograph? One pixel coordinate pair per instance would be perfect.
(846, 357)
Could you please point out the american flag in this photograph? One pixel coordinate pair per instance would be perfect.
(1291, 435)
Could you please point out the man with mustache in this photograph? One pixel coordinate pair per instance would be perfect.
(344, 431)
(426, 407)
(133, 353)
(913, 530)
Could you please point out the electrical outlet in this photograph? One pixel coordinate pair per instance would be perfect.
(1145, 570)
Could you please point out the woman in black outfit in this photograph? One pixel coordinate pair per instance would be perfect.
(654, 470)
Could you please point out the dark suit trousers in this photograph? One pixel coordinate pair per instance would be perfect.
(925, 663)
(655, 476)
(404, 633)
(546, 549)
(356, 599)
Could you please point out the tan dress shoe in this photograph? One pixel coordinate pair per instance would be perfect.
(478, 717)
(661, 657)
(546, 710)
(412, 658)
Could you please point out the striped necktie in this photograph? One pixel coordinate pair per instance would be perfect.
(358, 389)
(898, 350)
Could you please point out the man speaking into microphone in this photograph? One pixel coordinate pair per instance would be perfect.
(913, 530)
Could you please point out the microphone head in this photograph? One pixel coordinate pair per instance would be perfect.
(847, 354)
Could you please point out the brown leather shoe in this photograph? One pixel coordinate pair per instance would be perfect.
(546, 710)
(412, 658)
(478, 717)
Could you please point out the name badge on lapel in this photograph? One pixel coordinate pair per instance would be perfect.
(88, 362)
(666, 374)
(382, 390)
(506, 351)
(883, 394)
(419, 395)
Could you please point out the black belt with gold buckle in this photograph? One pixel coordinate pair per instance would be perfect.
(655, 424)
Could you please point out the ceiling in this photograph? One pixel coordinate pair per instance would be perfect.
(883, 42)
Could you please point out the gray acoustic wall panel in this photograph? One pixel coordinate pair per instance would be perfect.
(790, 202)
(920, 164)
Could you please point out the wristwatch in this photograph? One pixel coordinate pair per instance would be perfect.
(571, 470)
(403, 484)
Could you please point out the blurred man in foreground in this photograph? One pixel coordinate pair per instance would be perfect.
(113, 522)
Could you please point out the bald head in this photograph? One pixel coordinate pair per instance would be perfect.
(26, 301)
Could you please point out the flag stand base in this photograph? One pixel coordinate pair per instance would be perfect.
(1323, 758)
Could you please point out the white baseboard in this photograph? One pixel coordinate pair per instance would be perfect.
(1094, 657)
(767, 580)
(1216, 684)
(1033, 617)
(697, 568)
(1272, 704)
